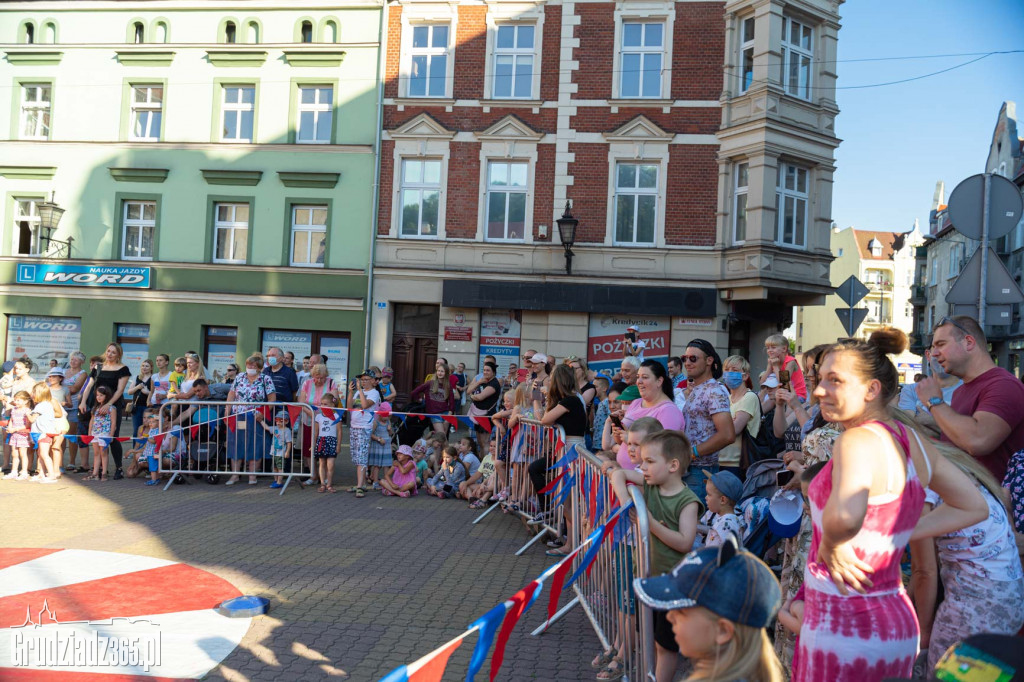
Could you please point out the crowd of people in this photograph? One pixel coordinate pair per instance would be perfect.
(907, 542)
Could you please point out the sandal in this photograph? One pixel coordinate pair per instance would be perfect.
(615, 670)
(322, 489)
(602, 660)
(331, 489)
(91, 477)
(559, 553)
(360, 492)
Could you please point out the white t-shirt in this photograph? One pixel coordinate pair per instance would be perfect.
(721, 525)
(325, 426)
(987, 549)
(161, 384)
(282, 437)
(471, 462)
(363, 419)
(46, 422)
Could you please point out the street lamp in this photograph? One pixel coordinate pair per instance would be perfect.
(567, 234)
(49, 218)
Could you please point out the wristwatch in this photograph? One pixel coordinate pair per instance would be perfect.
(935, 401)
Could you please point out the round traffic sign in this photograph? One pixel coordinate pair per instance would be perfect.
(967, 202)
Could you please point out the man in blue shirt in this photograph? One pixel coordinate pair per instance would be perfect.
(286, 382)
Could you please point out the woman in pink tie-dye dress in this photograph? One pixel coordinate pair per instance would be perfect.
(858, 623)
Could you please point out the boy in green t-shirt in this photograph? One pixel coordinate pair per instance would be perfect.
(672, 510)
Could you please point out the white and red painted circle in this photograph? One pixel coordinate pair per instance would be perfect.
(113, 593)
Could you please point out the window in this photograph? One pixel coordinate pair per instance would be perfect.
(139, 230)
(421, 194)
(309, 235)
(636, 203)
(134, 340)
(506, 200)
(642, 51)
(27, 240)
(254, 32)
(316, 114)
(35, 111)
(161, 32)
(932, 270)
(746, 54)
(146, 111)
(513, 61)
(791, 205)
(306, 32)
(30, 33)
(330, 33)
(230, 32)
(796, 58)
(429, 68)
(139, 31)
(956, 254)
(238, 110)
(231, 233)
(740, 213)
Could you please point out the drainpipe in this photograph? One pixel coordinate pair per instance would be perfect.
(381, 54)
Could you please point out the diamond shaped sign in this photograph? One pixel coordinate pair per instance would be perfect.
(851, 291)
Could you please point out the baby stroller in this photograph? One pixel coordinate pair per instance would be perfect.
(409, 431)
(758, 489)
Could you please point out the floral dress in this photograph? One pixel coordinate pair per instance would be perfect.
(817, 447)
(248, 440)
(19, 421)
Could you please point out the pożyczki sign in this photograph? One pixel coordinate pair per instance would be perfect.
(83, 275)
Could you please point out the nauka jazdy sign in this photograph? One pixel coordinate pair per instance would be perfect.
(83, 275)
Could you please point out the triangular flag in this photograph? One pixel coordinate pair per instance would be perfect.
(518, 600)
(294, 411)
(159, 439)
(621, 528)
(587, 506)
(553, 484)
(588, 558)
(567, 459)
(194, 431)
(558, 579)
(327, 412)
(231, 420)
(138, 441)
(454, 421)
(601, 494)
(85, 439)
(468, 421)
(567, 485)
(484, 423)
(592, 493)
(401, 415)
(71, 438)
(399, 674)
(559, 445)
(487, 624)
(102, 441)
(431, 667)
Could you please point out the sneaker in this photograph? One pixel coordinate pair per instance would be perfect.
(47, 480)
(539, 520)
(118, 475)
(376, 486)
(275, 485)
(11, 476)
(153, 482)
(309, 481)
(23, 477)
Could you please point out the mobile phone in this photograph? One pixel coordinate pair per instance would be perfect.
(782, 478)
(784, 378)
(631, 336)
(616, 421)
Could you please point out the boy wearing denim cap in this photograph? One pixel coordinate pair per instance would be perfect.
(720, 600)
(724, 491)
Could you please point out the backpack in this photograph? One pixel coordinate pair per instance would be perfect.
(1014, 482)
(761, 447)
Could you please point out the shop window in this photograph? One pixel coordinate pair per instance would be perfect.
(42, 339)
(332, 345)
(134, 340)
(220, 349)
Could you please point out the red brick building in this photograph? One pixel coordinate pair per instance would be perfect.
(497, 114)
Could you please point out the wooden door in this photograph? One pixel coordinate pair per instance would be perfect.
(413, 346)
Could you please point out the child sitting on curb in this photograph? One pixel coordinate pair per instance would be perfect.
(719, 601)
(135, 458)
(446, 483)
(480, 486)
(419, 455)
(401, 478)
(724, 492)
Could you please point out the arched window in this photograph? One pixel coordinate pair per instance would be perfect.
(30, 33)
(307, 32)
(330, 32)
(50, 32)
(139, 32)
(161, 32)
(254, 32)
(230, 35)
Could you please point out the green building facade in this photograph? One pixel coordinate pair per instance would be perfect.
(216, 164)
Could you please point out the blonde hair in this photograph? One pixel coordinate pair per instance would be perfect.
(747, 656)
(319, 370)
(255, 359)
(200, 373)
(777, 340)
(646, 426)
(737, 360)
(523, 395)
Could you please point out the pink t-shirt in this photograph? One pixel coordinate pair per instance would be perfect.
(665, 412)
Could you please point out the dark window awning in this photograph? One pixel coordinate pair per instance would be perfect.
(590, 298)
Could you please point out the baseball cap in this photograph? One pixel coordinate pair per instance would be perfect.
(771, 381)
(727, 483)
(55, 372)
(539, 357)
(632, 328)
(404, 450)
(281, 414)
(366, 373)
(728, 581)
(629, 395)
(8, 366)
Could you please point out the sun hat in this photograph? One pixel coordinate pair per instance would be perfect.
(727, 483)
(56, 372)
(384, 409)
(387, 372)
(629, 395)
(404, 450)
(785, 511)
(538, 357)
(726, 580)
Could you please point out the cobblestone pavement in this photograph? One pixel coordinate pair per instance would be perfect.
(357, 587)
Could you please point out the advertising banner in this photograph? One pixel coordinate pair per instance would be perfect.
(83, 275)
(300, 343)
(336, 352)
(42, 339)
(500, 332)
(136, 350)
(605, 347)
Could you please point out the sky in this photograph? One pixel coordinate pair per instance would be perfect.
(898, 140)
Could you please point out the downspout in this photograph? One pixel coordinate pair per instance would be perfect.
(381, 53)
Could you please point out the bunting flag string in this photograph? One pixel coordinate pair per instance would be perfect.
(553, 484)
(566, 459)
(595, 539)
(521, 601)
(488, 625)
(567, 485)
(431, 667)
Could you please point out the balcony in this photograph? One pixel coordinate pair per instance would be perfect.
(879, 287)
(878, 319)
(918, 295)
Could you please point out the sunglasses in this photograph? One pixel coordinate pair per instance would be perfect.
(950, 320)
(692, 359)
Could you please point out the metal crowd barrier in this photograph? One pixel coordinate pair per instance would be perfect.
(528, 442)
(605, 592)
(207, 439)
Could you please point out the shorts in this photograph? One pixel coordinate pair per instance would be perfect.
(278, 462)
(359, 446)
(663, 631)
(326, 448)
(154, 466)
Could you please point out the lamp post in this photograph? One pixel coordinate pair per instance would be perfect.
(567, 234)
(49, 218)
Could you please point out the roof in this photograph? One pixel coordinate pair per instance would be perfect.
(864, 238)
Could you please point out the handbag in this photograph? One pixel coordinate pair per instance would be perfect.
(753, 449)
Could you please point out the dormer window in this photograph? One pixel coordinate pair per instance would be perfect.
(875, 247)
